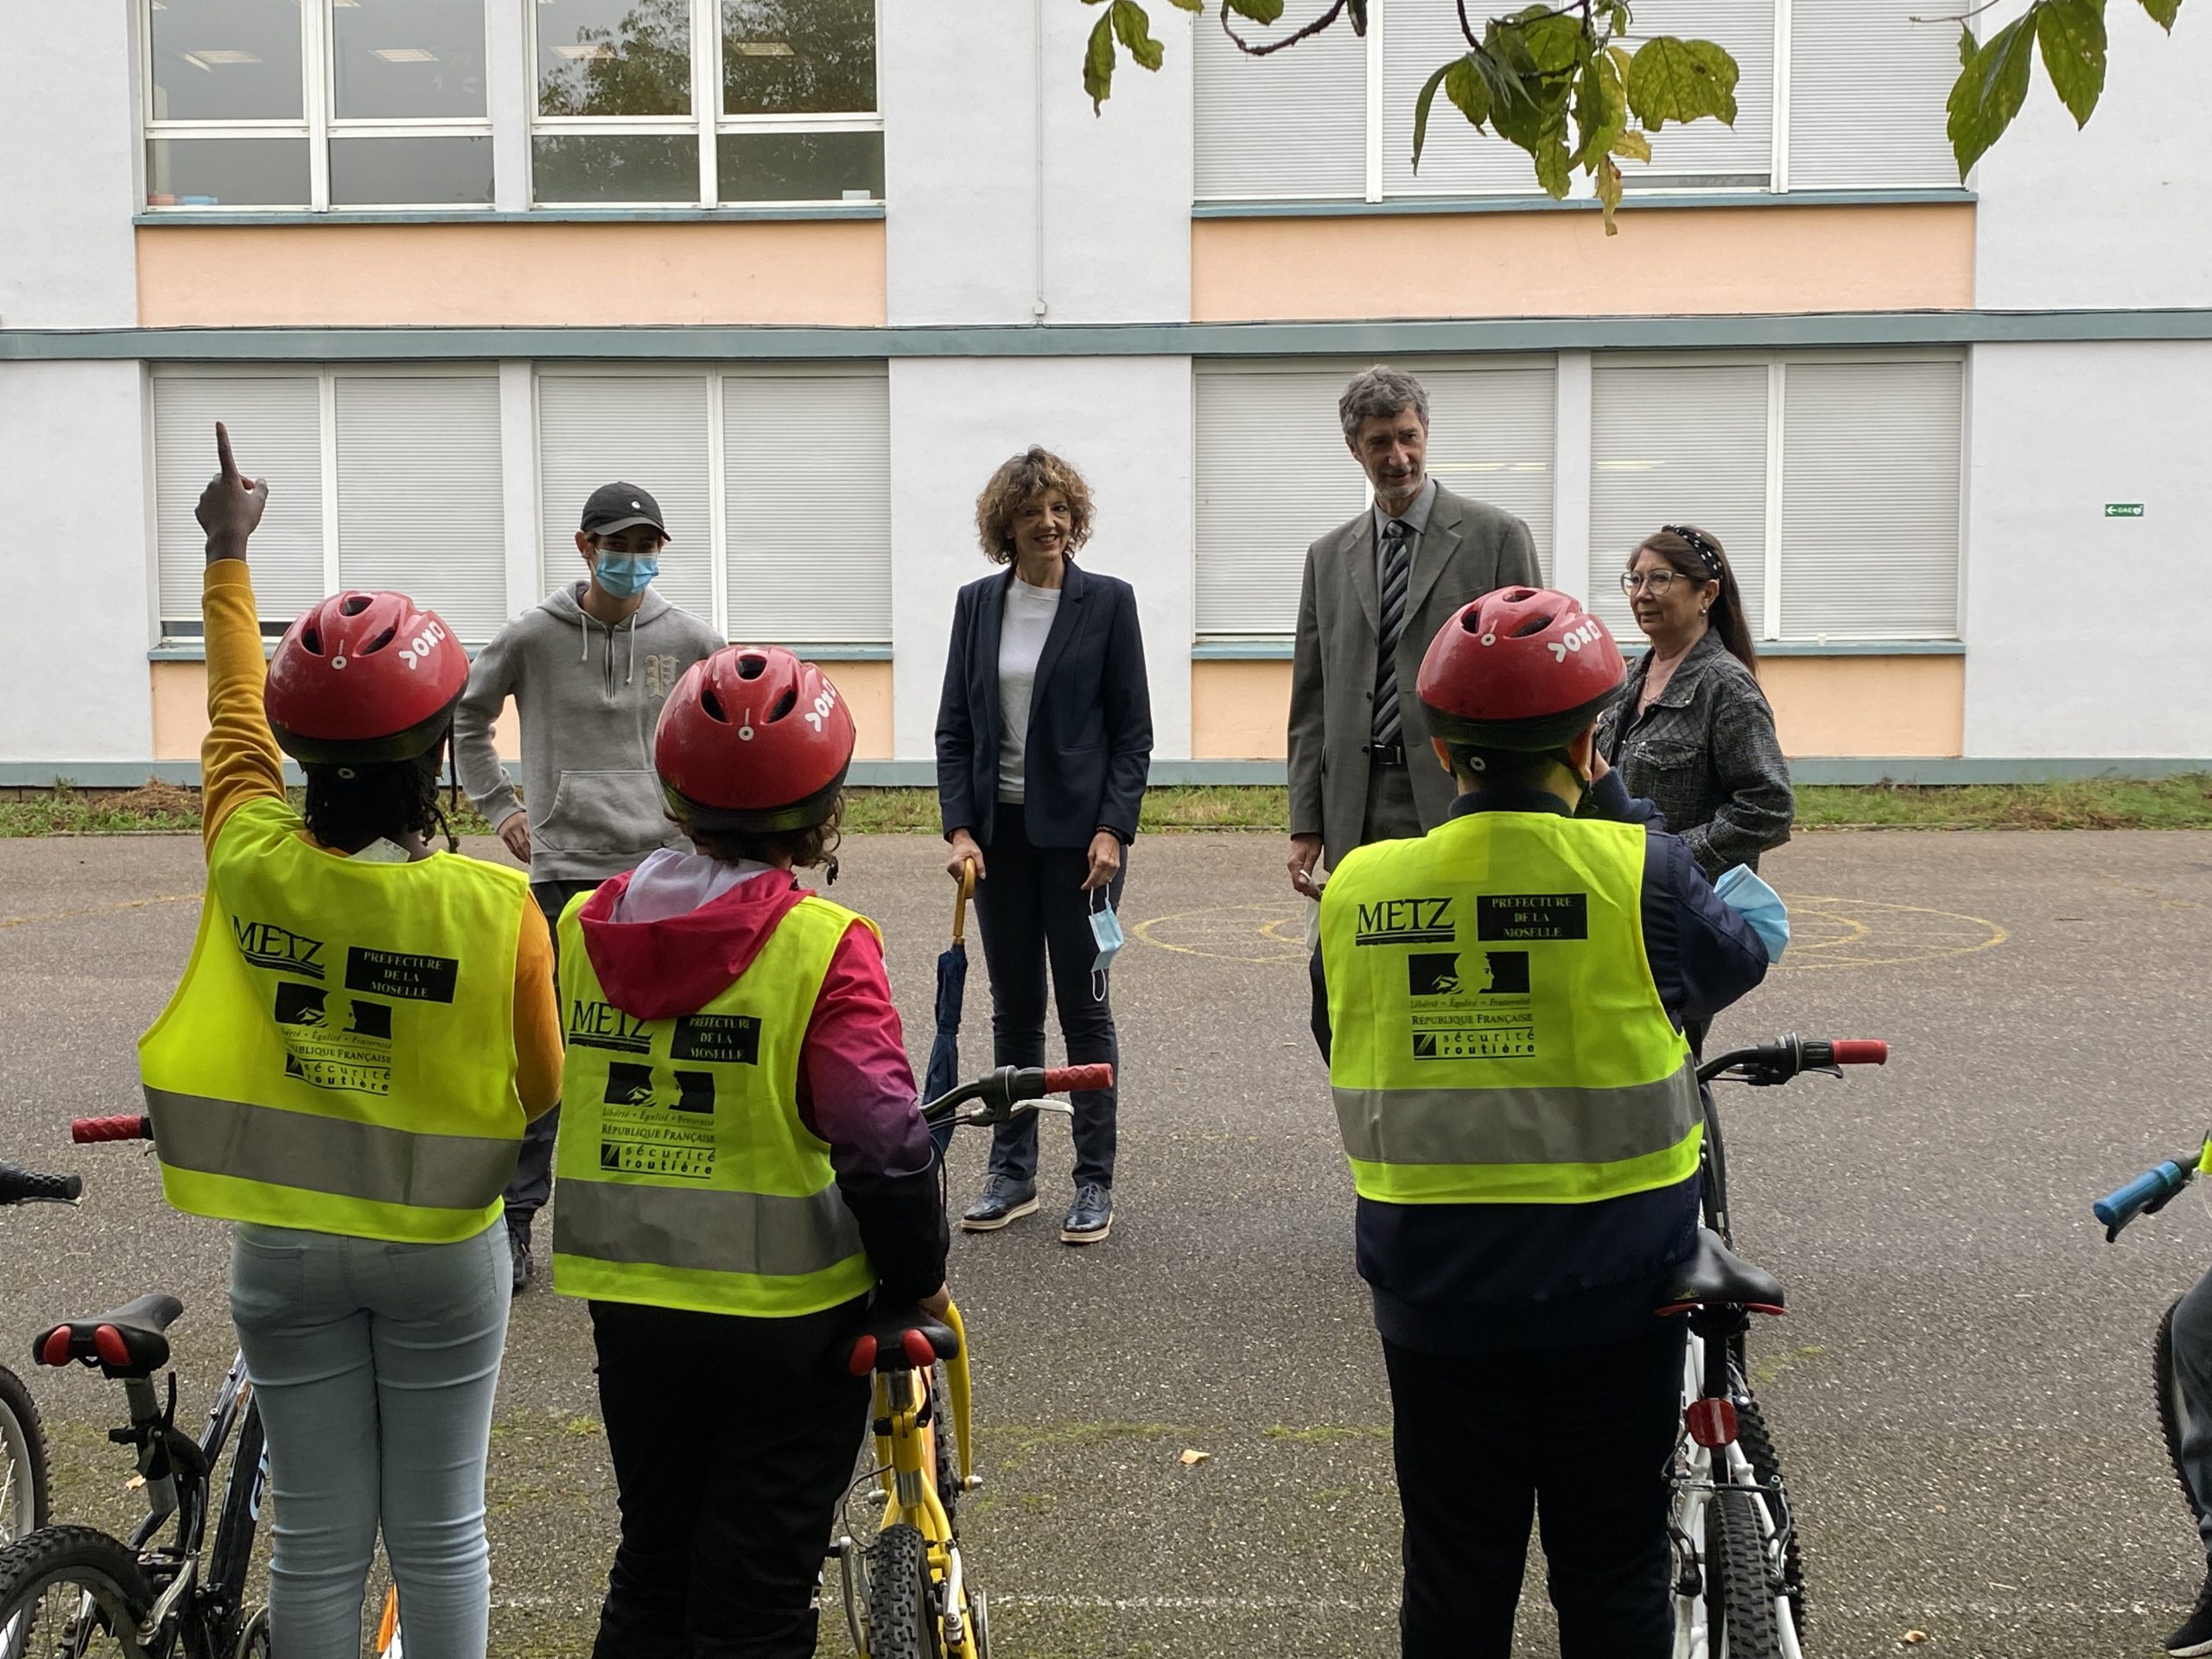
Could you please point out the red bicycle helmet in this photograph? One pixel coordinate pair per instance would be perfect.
(363, 679)
(1523, 669)
(753, 740)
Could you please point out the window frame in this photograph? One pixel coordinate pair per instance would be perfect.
(707, 123)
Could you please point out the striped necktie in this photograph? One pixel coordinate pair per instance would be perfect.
(1397, 576)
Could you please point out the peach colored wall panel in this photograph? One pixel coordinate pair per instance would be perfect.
(866, 688)
(1822, 705)
(1665, 262)
(512, 276)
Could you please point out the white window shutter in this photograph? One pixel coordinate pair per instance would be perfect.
(807, 564)
(1491, 433)
(1867, 87)
(1705, 151)
(1293, 124)
(1274, 476)
(419, 499)
(274, 423)
(650, 430)
(1676, 445)
(1870, 492)
(1419, 36)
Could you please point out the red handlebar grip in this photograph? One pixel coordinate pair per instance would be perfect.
(124, 1125)
(1860, 1052)
(1074, 1079)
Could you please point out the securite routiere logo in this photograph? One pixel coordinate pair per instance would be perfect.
(1405, 921)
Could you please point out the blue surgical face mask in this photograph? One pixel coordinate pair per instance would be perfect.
(1106, 929)
(1760, 906)
(621, 575)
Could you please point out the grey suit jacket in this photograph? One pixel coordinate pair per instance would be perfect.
(1468, 548)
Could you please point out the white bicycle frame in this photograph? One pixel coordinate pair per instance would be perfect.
(1691, 1475)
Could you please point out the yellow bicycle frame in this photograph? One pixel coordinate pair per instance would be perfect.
(908, 1450)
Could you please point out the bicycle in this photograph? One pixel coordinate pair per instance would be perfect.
(1739, 1568)
(24, 1492)
(2147, 1194)
(907, 1594)
(75, 1591)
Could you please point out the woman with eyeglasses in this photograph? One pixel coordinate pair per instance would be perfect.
(1691, 732)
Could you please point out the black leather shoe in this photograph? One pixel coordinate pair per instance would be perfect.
(1004, 1199)
(1091, 1218)
(518, 1256)
(2194, 1637)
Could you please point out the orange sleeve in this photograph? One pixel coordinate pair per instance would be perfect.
(537, 1018)
(239, 761)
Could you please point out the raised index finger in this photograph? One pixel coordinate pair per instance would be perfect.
(223, 455)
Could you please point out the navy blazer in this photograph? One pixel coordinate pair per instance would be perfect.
(1090, 742)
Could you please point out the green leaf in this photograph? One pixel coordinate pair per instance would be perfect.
(2072, 34)
(2162, 12)
(1198, 6)
(1555, 42)
(1421, 105)
(1134, 26)
(1679, 80)
(1467, 90)
(1553, 170)
(1608, 177)
(1260, 12)
(1634, 145)
(1990, 91)
(1600, 110)
(1967, 46)
(1098, 62)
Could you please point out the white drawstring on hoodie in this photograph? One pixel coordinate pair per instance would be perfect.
(583, 633)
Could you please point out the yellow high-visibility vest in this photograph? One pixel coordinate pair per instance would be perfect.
(1496, 1036)
(687, 1178)
(340, 1056)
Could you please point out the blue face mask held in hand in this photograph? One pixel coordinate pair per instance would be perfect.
(1106, 928)
(621, 575)
(1759, 905)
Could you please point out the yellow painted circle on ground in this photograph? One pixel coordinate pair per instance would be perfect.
(1262, 934)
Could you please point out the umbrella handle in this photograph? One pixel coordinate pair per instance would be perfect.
(960, 905)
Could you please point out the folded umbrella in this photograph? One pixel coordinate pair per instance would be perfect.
(943, 1073)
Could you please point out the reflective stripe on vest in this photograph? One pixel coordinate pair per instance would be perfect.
(340, 1055)
(688, 1177)
(1496, 1033)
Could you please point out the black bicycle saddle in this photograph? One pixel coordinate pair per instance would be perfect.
(1716, 1275)
(126, 1343)
(900, 1337)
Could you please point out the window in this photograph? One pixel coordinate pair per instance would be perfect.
(775, 483)
(698, 102)
(1832, 480)
(378, 479)
(316, 104)
(1273, 473)
(1332, 118)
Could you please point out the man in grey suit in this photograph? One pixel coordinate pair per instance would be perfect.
(1375, 592)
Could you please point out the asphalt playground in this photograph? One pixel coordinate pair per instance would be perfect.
(1961, 1393)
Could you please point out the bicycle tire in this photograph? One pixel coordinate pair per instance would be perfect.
(1752, 1434)
(1743, 1618)
(78, 1558)
(2172, 1404)
(254, 1641)
(25, 1492)
(948, 1453)
(901, 1623)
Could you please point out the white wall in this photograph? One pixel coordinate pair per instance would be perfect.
(961, 117)
(2118, 213)
(2085, 634)
(66, 260)
(73, 658)
(1123, 423)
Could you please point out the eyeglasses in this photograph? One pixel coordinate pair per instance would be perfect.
(1655, 583)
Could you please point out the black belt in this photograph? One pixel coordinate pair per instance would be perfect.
(1387, 755)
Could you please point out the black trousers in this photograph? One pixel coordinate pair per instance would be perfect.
(1578, 1436)
(1031, 908)
(732, 1440)
(532, 1181)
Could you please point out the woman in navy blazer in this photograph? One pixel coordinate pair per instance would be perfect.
(1044, 739)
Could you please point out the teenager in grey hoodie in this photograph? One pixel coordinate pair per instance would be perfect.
(588, 670)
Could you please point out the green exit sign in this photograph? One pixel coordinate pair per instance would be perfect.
(2123, 509)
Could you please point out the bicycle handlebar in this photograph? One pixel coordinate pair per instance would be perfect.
(1779, 1061)
(1076, 1079)
(1012, 1088)
(2147, 1194)
(28, 1187)
(123, 1126)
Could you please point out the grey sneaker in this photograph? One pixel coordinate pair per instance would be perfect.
(1004, 1199)
(1091, 1218)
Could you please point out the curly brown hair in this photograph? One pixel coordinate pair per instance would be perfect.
(815, 844)
(1022, 480)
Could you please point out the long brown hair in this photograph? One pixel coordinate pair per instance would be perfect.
(1698, 555)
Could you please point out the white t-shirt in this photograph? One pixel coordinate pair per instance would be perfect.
(1028, 620)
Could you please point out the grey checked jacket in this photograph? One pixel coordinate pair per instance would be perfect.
(1705, 754)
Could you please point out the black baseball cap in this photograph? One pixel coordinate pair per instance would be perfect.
(619, 507)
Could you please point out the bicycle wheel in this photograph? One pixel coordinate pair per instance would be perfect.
(1739, 1604)
(23, 1492)
(253, 1641)
(2173, 1408)
(901, 1622)
(71, 1590)
(948, 1451)
(1752, 1434)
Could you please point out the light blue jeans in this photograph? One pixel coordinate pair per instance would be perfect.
(375, 1365)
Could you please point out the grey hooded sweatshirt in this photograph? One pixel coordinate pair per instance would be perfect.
(589, 697)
